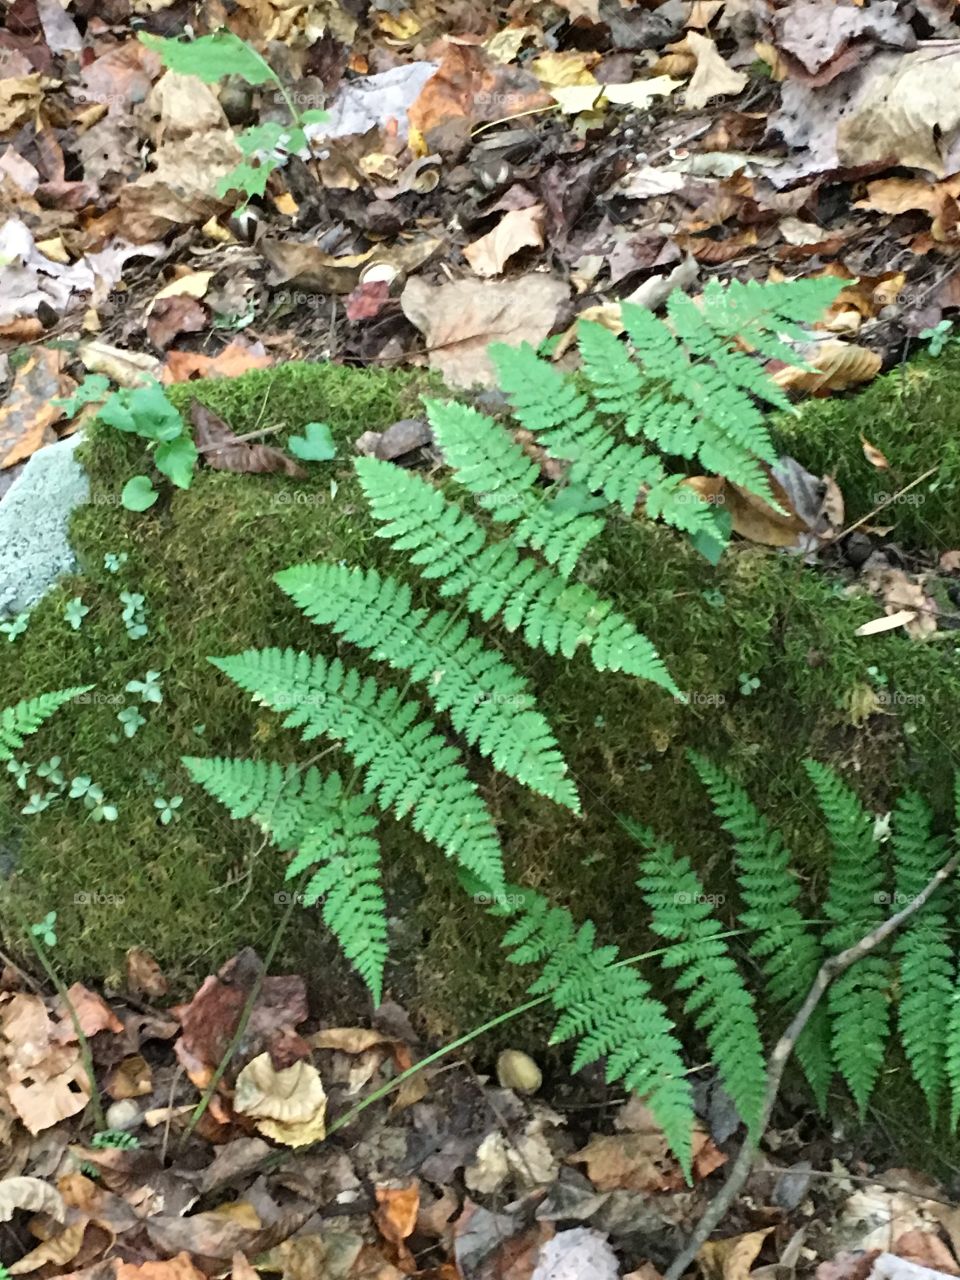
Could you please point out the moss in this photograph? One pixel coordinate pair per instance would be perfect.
(193, 892)
(912, 415)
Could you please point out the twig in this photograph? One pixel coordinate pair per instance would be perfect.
(893, 497)
(830, 969)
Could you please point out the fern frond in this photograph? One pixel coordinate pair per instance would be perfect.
(548, 404)
(448, 544)
(678, 504)
(923, 947)
(606, 1005)
(331, 833)
(718, 998)
(408, 767)
(26, 717)
(858, 999)
(489, 702)
(489, 463)
(789, 952)
(760, 315)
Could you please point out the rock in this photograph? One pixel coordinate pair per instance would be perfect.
(34, 517)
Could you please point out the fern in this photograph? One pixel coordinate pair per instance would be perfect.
(448, 544)
(788, 951)
(24, 718)
(489, 702)
(717, 997)
(607, 1006)
(330, 832)
(859, 999)
(408, 767)
(926, 958)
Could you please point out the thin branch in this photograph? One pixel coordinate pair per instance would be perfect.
(830, 969)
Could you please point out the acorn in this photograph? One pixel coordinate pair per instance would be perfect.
(518, 1071)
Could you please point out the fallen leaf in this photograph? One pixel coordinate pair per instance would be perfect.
(28, 413)
(144, 976)
(516, 230)
(837, 367)
(888, 623)
(575, 1255)
(873, 455)
(221, 449)
(289, 1106)
(169, 317)
(180, 1267)
(731, 1259)
(131, 1078)
(240, 356)
(460, 320)
(58, 1250)
(32, 1194)
(308, 267)
(712, 78)
(91, 1011)
(125, 368)
(193, 284)
(20, 98)
(397, 1210)
(214, 1235)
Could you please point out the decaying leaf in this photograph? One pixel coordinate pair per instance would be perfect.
(222, 449)
(57, 1251)
(873, 455)
(239, 357)
(731, 1259)
(461, 319)
(28, 414)
(712, 78)
(518, 229)
(838, 366)
(397, 1210)
(32, 1194)
(289, 1106)
(144, 975)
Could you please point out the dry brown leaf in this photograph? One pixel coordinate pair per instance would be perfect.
(212, 1235)
(731, 1259)
(900, 195)
(924, 1249)
(308, 267)
(144, 976)
(712, 78)
(516, 230)
(32, 1194)
(125, 368)
(221, 448)
(132, 1078)
(873, 455)
(57, 1251)
(20, 98)
(92, 1012)
(28, 413)
(462, 318)
(172, 316)
(642, 1161)
(889, 622)
(289, 1106)
(241, 1269)
(397, 1210)
(240, 356)
(837, 367)
(180, 1267)
(470, 87)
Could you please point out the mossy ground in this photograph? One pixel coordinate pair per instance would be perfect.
(195, 891)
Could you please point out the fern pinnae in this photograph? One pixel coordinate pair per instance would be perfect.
(717, 996)
(608, 1007)
(858, 1000)
(25, 717)
(952, 1050)
(488, 701)
(787, 949)
(330, 834)
(408, 767)
(448, 544)
(923, 948)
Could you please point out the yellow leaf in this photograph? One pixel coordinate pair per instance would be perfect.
(838, 366)
(289, 1106)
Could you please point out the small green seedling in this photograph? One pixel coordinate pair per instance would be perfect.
(145, 411)
(114, 1140)
(15, 627)
(74, 612)
(134, 614)
(95, 386)
(148, 688)
(38, 802)
(748, 684)
(21, 772)
(315, 445)
(46, 929)
(937, 337)
(132, 720)
(168, 809)
(113, 563)
(51, 771)
(138, 494)
(264, 147)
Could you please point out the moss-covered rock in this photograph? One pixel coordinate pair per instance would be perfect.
(912, 415)
(204, 558)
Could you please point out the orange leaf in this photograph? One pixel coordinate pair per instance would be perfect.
(397, 1211)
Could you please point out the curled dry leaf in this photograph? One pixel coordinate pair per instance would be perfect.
(712, 78)
(144, 975)
(731, 1259)
(92, 1012)
(28, 415)
(873, 455)
(32, 1194)
(222, 450)
(289, 1106)
(397, 1210)
(57, 1251)
(516, 230)
(837, 367)
(238, 357)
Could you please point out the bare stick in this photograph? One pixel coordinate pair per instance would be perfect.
(830, 969)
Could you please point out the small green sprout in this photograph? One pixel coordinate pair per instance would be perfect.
(134, 614)
(168, 809)
(45, 930)
(114, 1140)
(21, 771)
(148, 688)
(132, 720)
(75, 611)
(748, 684)
(38, 802)
(50, 769)
(113, 563)
(16, 626)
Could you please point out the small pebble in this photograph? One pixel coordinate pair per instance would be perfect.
(518, 1071)
(124, 1114)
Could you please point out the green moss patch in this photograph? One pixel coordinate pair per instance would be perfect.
(912, 415)
(193, 891)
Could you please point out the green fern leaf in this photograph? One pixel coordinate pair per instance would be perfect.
(489, 702)
(923, 947)
(718, 998)
(858, 999)
(26, 717)
(789, 953)
(448, 544)
(607, 1006)
(488, 462)
(408, 767)
(547, 403)
(331, 833)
